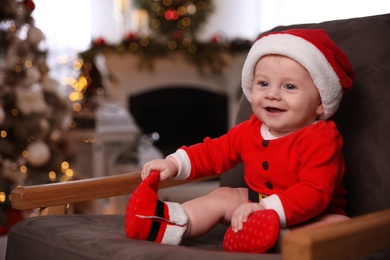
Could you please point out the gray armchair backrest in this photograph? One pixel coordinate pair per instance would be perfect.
(364, 115)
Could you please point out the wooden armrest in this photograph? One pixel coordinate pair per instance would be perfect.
(56, 194)
(345, 240)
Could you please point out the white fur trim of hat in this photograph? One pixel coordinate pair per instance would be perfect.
(326, 63)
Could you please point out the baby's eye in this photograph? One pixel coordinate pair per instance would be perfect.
(263, 83)
(289, 86)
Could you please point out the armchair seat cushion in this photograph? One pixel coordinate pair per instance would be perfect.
(72, 237)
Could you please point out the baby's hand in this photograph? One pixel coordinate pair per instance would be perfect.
(167, 167)
(242, 213)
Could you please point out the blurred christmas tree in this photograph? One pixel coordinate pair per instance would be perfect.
(33, 117)
(171, 27)
(176, 18)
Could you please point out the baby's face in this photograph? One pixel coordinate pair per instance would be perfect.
(284, 96)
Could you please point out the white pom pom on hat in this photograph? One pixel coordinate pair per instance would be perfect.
(326, 63)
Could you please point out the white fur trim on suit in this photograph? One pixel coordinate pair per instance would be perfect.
(273, 202)
(174, 234)
(177, 215)
(305, 53)
(184, 164)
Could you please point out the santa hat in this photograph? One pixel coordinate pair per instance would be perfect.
(326, 63)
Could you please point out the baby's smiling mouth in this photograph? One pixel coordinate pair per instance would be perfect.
(274, 110)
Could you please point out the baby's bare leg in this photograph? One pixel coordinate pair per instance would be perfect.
(218, 206)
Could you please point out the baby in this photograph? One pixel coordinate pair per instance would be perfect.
(291, 151)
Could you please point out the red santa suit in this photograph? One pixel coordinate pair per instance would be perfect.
(301, 173)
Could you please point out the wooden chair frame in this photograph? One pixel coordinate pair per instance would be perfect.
(352, 238)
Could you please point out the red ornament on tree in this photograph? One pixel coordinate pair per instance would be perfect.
(131, 36)
(171, 14)
(177, 35)
(99, 41)
(216, 39)
(12, 216)
(29, 4)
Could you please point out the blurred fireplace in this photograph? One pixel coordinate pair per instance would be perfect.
(127, 80)
(181, 115)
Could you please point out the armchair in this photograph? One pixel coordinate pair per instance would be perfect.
(363, 120)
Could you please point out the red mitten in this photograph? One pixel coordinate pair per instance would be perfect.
(259, 233)
(147, 218)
